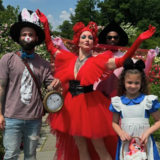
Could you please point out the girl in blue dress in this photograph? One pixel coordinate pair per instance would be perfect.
(134, 107)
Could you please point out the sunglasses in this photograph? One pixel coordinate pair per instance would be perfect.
(110, 37)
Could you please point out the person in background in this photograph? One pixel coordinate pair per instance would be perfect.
(114, 35)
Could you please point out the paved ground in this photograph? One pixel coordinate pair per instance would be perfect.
(46, 146)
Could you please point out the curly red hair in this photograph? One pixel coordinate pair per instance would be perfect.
(79, 27)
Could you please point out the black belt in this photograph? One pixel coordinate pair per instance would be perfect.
(75, 88)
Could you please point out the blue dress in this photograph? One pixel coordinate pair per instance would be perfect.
(135, 112)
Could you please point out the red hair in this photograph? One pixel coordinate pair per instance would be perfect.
(79, 27)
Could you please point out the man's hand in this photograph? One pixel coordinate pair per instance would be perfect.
(3, 84)
(56, 83)
(2, 123)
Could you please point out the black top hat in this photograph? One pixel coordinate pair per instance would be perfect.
(27, 18)
(113, 26)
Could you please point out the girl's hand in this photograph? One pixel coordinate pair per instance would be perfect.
(41, 16)
(147, 34)
(124, 136)
(144, 138)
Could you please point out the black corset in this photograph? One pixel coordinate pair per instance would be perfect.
(75, 88)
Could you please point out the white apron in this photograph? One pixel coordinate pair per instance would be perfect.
(134, 122)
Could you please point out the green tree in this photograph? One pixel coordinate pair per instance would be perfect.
(7, 17)
(66, 30)
(139, 13)
(10, 13)
(1, 6)
(86, 11)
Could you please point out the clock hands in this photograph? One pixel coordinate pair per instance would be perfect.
(53, 100)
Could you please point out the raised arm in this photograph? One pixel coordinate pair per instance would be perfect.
(150, 56)
(49, 44)
(114, 63)
(3, 84)
(59, 43)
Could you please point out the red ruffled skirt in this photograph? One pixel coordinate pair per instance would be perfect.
(84, 115)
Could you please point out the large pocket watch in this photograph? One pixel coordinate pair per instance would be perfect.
(53, 101)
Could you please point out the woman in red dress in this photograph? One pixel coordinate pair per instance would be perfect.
(83, 125)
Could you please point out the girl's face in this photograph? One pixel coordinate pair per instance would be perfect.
(86, 40)
(132, 83)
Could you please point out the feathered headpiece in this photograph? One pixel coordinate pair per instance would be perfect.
(79, 27)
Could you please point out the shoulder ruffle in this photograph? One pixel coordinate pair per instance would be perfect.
(116, 102)
(95, 69)
(63, 58)
(149, 101)
(62, 61)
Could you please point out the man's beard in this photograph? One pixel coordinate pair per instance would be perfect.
(27, 46)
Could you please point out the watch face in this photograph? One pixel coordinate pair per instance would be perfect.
(54, 102)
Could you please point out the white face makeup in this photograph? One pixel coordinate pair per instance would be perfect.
(27, 39)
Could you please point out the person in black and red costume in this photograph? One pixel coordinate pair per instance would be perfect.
(113, 37)
(83, 125)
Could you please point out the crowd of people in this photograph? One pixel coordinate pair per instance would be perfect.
(106, 100)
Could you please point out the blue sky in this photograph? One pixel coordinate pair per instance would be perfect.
(56, 10)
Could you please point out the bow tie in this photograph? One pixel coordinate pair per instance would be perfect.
(24, 55)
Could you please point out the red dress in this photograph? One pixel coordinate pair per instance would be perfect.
(86, 114)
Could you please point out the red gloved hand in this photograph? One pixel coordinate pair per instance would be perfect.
(147, 34)
(41, 16)
(49, 44)
(143, 36)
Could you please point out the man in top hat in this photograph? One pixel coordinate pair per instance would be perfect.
(23, 108)
(114, 35)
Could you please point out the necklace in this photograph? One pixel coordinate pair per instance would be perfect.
(79, 63)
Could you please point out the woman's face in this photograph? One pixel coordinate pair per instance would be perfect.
(86, 40)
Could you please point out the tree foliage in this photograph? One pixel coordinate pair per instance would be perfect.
(1, 6)
(66, 30)
(7, 17)
(139, 13)
(85, 11)
(9, 13)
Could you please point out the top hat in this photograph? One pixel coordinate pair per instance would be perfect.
(27, 18)
(113, 26)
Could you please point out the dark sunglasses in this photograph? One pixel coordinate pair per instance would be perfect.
(110, 37)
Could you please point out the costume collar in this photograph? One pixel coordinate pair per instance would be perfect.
(24, 55)
(136, 100)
